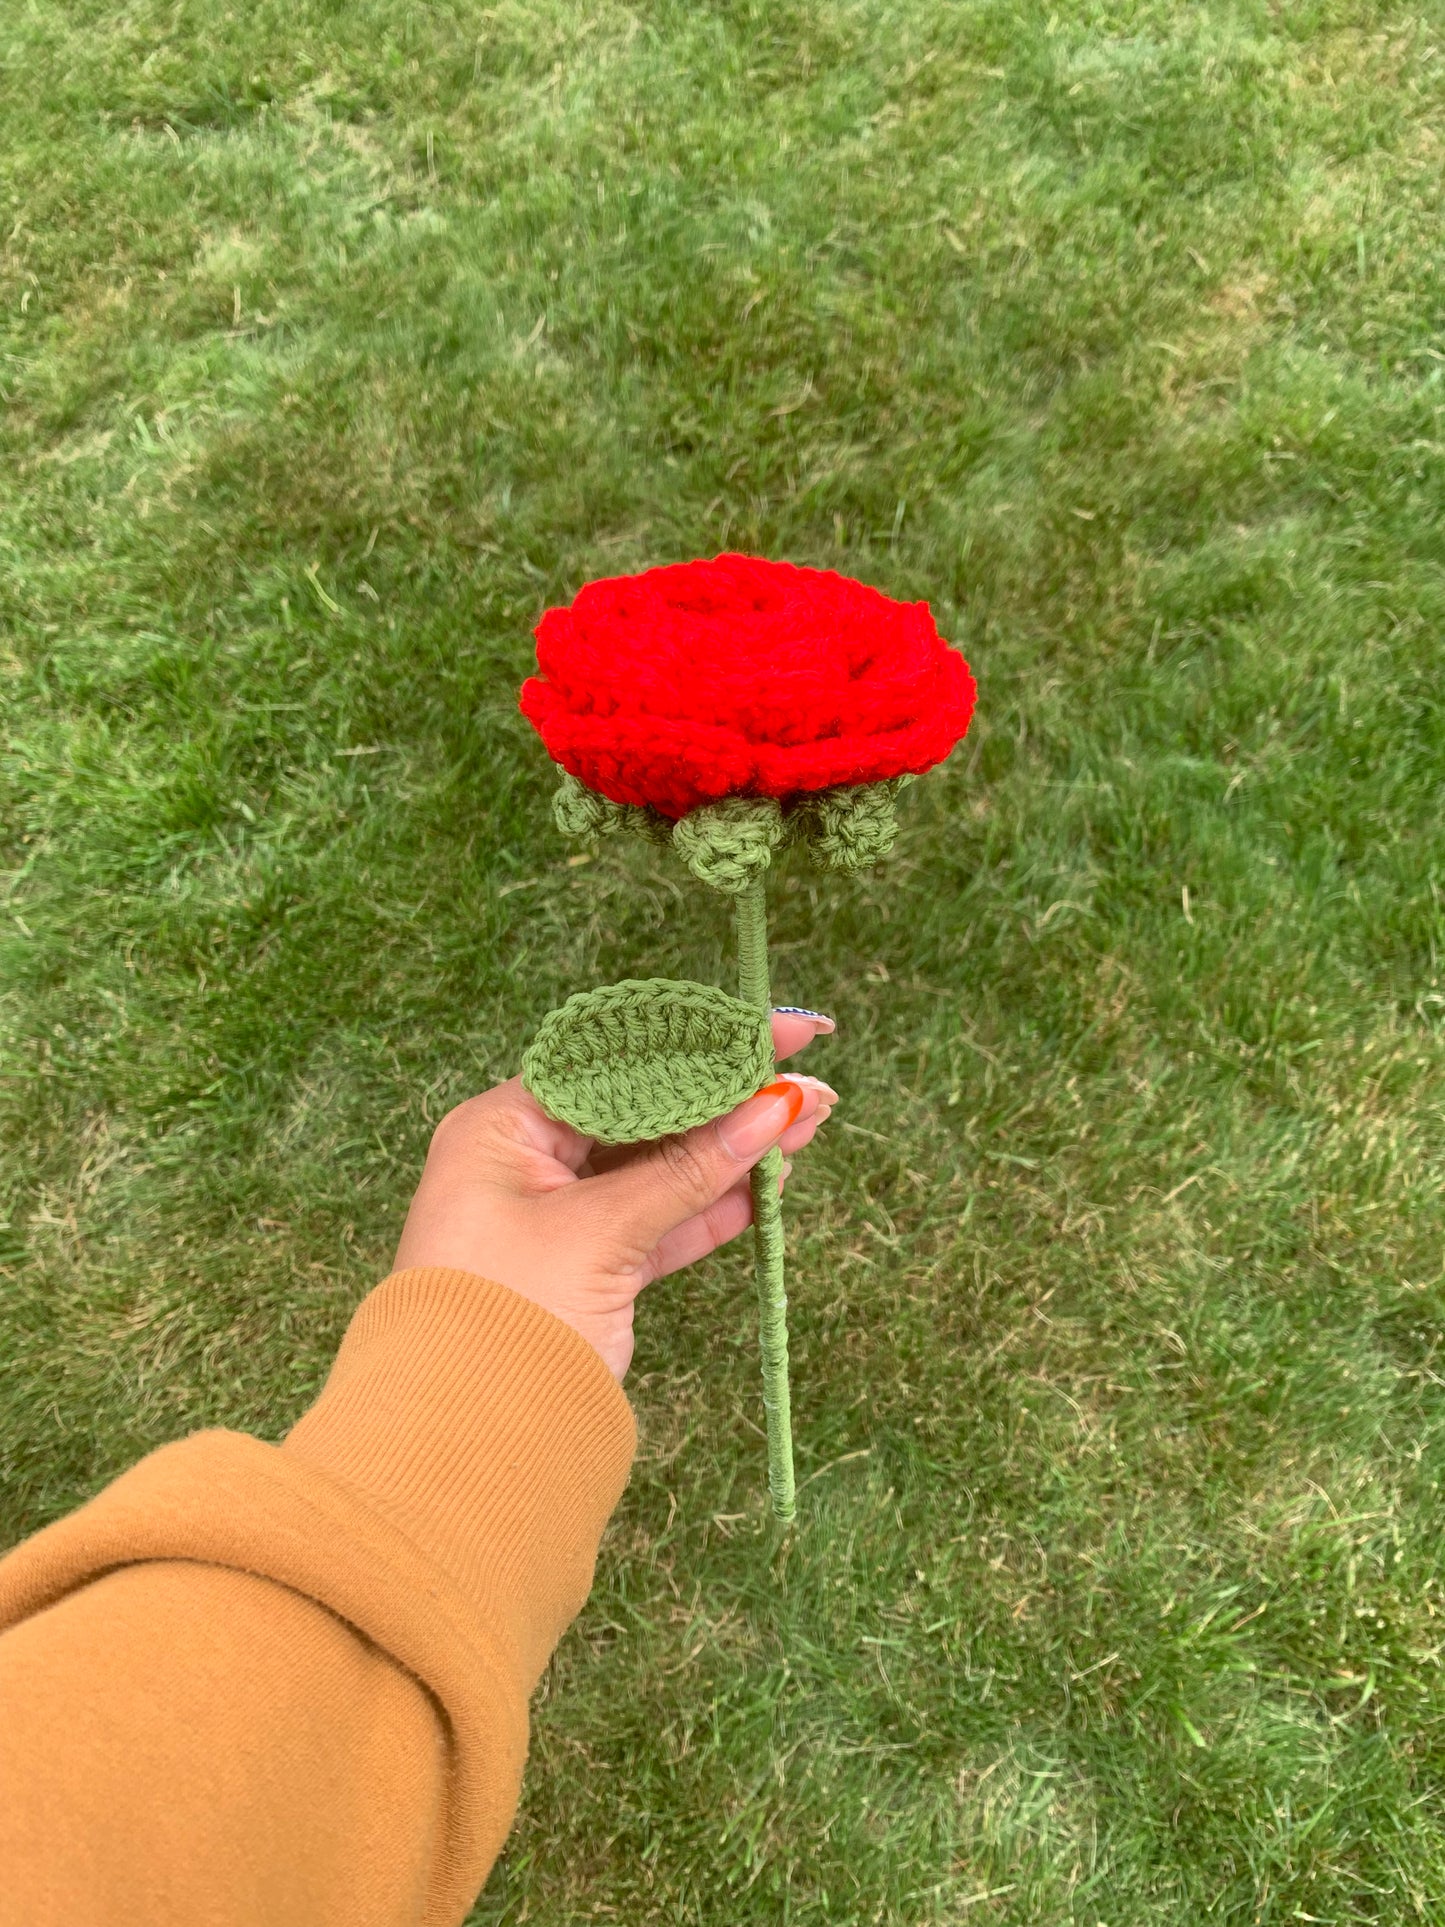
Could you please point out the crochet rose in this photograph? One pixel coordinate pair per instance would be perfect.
(730, 709)
(683, 685)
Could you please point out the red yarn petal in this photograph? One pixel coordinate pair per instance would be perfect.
(741, 676)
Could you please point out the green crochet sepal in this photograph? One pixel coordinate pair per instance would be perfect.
(579, 811)
(647, 1057)
(727, 845)
(843, 829)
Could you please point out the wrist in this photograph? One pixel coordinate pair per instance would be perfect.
(447, 1380)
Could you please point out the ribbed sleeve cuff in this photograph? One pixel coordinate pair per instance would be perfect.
(445, 1496)
(490, 1434)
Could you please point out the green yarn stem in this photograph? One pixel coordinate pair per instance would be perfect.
(754, 988)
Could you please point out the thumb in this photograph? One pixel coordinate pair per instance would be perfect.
(676, 1178)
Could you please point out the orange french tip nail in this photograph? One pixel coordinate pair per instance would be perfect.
(785, 1087)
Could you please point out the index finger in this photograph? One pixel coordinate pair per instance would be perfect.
(793, 1029)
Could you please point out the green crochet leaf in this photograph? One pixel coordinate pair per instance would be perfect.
(647, 1057)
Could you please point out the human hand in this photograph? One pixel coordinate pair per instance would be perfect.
(513, 1195)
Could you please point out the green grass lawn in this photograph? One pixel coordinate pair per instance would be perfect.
(336, 341)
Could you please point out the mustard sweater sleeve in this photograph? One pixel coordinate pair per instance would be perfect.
(257, 1684)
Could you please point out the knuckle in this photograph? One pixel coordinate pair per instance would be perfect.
(683, 1166)
(458, 1125)
(464, 1126)
(446, 1137)
(730, 1215)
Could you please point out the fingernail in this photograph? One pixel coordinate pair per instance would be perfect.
(825, 1091)
(753, 1126)
(818, 1017)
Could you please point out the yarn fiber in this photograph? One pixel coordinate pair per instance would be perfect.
(578, 811)
(750, 910)
(727, 844)
(646, 1057)
(739, 676)
(845, 829)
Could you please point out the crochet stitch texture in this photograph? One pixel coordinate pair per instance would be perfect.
(686, 684)
(646, 1057)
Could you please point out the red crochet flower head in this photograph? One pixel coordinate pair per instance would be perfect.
(683, 685)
